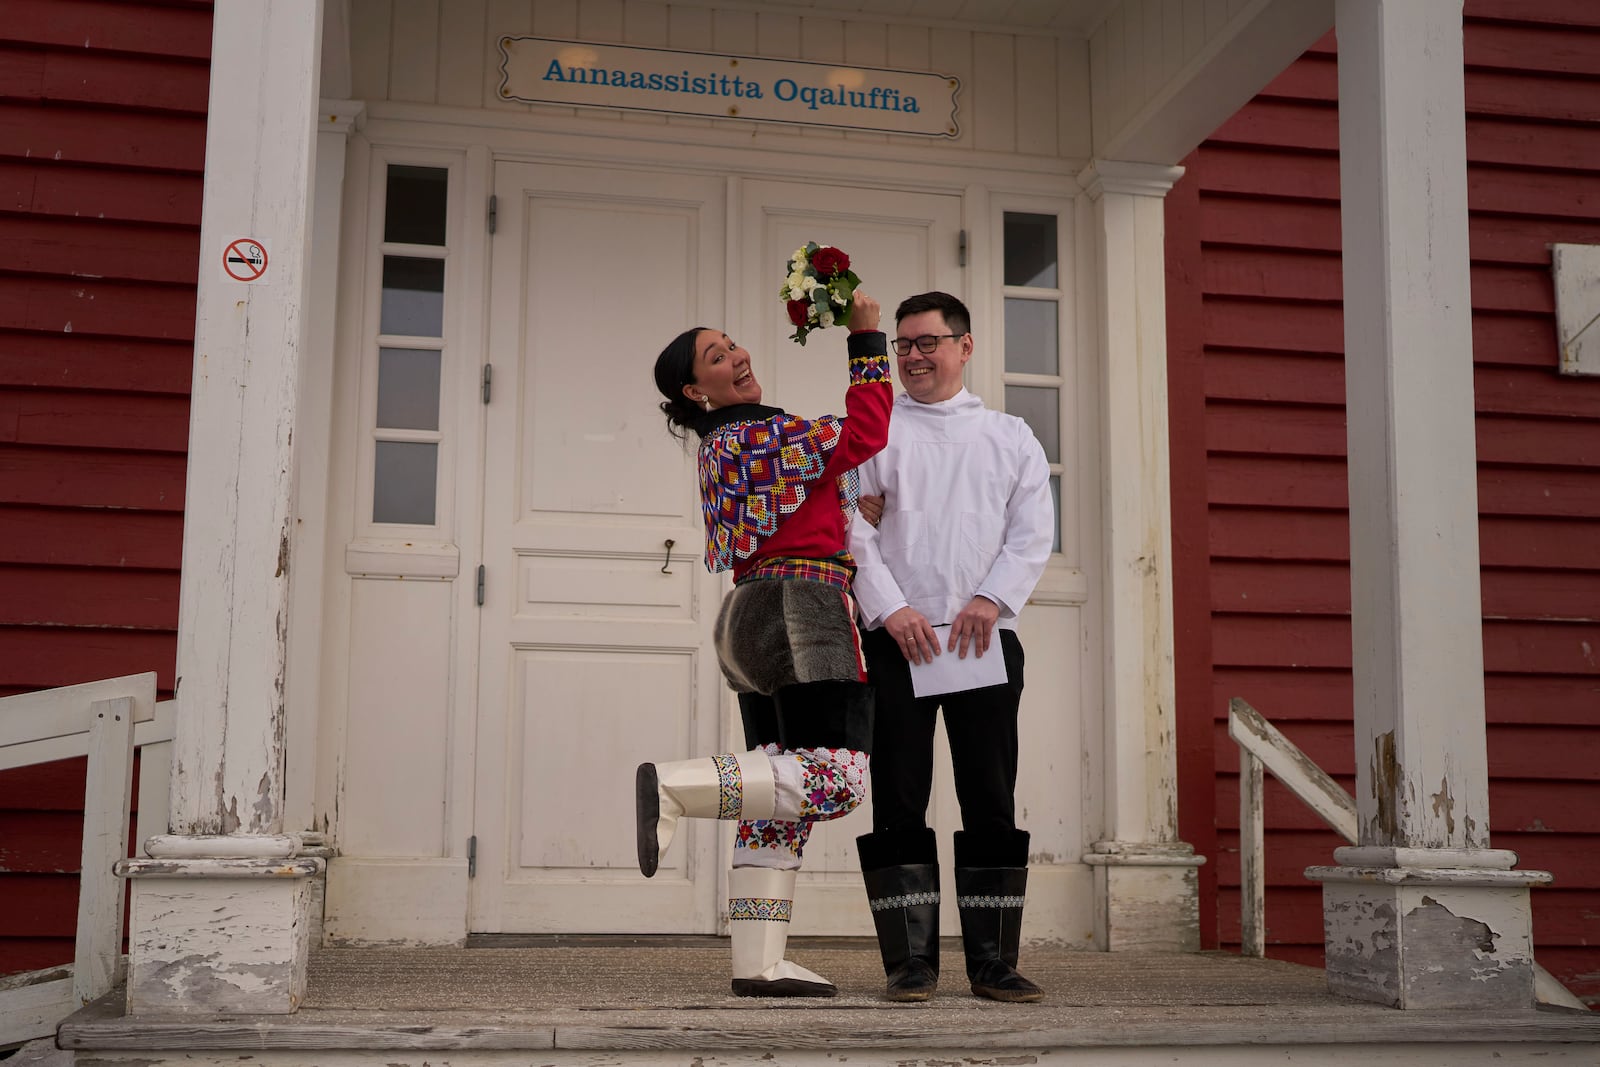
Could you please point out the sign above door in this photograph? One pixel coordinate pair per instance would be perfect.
(541, 70)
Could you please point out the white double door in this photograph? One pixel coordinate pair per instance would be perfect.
(595, 646)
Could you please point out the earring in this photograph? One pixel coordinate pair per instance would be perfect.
(705, 402)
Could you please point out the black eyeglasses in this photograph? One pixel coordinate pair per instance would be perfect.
(925, 344)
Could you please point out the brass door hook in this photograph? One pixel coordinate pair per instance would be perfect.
(669, 542)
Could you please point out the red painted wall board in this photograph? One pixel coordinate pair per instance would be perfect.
(1274, 378)
(100, 192)
(1564, 50)
(35, 73)
(91, 478)
(1191, 622)
(148, 140)
(38, 904)
(89, 596)
(57, 786)
(34, 842)
(105, 308)
(93, 248)
(117, 364)
(1576, 13)
(48, 656)
(94, 420)
(91, 537)
(1539, 752)
(34, 953)
(1516, 805)
(112, 26)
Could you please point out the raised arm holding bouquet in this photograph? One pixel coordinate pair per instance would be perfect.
(777, 492)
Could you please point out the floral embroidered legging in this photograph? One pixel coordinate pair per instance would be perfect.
(814, 785)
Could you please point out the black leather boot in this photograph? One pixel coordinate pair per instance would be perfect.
(901, 871)
(991, 884)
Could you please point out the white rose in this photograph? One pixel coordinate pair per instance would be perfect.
(796, 280)
(813, 284)
(827, 319)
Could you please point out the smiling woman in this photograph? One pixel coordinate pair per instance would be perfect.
(776, 491)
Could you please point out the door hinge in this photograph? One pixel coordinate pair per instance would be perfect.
(961, 250)
(481, 573)
(488, 381)
(494, 208)
(472, 856)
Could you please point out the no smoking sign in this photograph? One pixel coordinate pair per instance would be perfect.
(245, 259)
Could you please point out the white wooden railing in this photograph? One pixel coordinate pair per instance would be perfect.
(1263, 748)
(105, 721)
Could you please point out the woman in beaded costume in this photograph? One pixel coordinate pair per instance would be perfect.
(777, 492)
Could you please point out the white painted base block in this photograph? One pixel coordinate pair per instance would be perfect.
(1416, 945)
(420, 901)
(218, 937)
(1147, 902)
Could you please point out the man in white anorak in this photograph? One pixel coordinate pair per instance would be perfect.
(967, 525)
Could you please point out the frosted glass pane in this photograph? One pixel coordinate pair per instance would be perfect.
(408, 389)
(1040, 408)
(414, 205)
(404, 482)
(413, 297)
(1031, 340)
(1030, 250)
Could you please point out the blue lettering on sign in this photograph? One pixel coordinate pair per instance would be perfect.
(814, 97)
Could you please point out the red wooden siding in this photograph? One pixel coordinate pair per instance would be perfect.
(102, 148)
(1261, 534)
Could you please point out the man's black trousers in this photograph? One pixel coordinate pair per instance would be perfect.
(981, 725)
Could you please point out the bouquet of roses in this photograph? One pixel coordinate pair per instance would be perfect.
(818, 289)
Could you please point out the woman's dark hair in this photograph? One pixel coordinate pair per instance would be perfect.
(674, 370)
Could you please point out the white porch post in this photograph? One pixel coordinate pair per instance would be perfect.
(1421, 913)
(1146, 884)
(219, 910)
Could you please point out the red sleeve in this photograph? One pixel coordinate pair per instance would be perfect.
(867, 403)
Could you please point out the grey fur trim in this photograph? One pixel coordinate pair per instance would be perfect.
(770, 634)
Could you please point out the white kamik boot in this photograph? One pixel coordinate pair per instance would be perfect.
(728, 786)
(759, 903)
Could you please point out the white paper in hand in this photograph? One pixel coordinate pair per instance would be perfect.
(949, 673)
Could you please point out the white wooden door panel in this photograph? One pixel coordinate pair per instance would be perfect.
(594, 658)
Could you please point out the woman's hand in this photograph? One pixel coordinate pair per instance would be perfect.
(871, 508)
(864, 312)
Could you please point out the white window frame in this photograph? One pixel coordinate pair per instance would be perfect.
(1063, 581)
(443, 530)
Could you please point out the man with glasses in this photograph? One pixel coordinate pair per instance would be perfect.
(965, 529)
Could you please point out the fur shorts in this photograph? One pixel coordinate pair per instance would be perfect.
(776, 633)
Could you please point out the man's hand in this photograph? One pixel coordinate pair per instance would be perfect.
(975, 623)
(917, 641)
(871, 508)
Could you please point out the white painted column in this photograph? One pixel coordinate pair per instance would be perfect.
(1421, 913)
(219, 910)
(1147, 894)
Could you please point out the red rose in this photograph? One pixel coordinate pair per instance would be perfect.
(829, 262)
(797, 311)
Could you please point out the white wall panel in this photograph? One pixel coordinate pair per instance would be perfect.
(414, 51)
(393, 795)
(463, 52)
(1027, 94)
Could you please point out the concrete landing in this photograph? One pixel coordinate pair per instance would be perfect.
(659, 1001)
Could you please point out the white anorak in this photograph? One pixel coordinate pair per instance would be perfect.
(968, 511)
